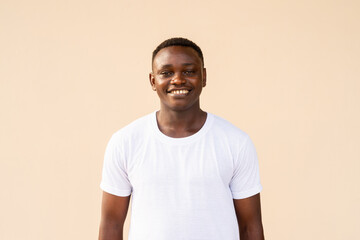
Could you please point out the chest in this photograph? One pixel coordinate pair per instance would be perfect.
(197, 166)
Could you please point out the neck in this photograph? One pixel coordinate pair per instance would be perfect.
(180, 123)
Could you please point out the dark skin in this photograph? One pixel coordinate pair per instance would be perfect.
(113, 214)
(248, 213)
(178, 68)
(178, 76)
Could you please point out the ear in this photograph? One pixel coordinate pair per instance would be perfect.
(152, 81)
(204, 77)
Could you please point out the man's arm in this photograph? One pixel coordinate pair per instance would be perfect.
(248, 213)
(113, 214)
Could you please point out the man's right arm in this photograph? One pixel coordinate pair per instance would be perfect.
(113, 215)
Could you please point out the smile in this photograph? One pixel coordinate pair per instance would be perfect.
(179, 92)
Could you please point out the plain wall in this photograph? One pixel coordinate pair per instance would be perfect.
(74, 72)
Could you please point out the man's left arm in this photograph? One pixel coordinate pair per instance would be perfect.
(248, 213)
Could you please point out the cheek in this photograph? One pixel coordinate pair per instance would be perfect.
(161, 92)
(161, 84)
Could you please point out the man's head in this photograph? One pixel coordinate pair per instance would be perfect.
(178, 74)
(183, 42)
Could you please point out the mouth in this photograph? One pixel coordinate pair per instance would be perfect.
(179, 92)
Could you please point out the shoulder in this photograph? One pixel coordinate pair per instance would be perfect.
(224, 128)
(136, 129)
(230, 137)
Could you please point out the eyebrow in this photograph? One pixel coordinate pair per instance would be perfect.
(170, 65)
(166, 66)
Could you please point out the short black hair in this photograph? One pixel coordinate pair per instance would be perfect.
(178, 41)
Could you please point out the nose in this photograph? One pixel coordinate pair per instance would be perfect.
(178, 79)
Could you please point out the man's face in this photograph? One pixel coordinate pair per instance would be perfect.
(178, 77)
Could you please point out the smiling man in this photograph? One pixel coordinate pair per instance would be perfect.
(191, 174)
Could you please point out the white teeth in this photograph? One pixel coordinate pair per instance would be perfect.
(179, 91)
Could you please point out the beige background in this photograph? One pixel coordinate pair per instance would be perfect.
(74, 72)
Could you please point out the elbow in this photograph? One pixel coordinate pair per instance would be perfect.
(110, 230)
(252, 232)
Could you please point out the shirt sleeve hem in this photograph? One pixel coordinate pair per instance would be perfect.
(247, 193)
(115, 191)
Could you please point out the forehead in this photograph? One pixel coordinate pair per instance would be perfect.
(176, 55)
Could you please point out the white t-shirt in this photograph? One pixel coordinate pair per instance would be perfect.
(182, 188)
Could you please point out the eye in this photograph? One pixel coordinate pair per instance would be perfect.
(166, 73)
(189, 72)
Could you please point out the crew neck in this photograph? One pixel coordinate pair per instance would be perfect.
(183, 140)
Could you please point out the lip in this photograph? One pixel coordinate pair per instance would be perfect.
(175, 89)
(179, 95)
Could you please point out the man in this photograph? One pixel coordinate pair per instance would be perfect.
(192, 175)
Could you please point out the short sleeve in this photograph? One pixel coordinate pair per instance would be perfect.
(114, 176)
(246, 178)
